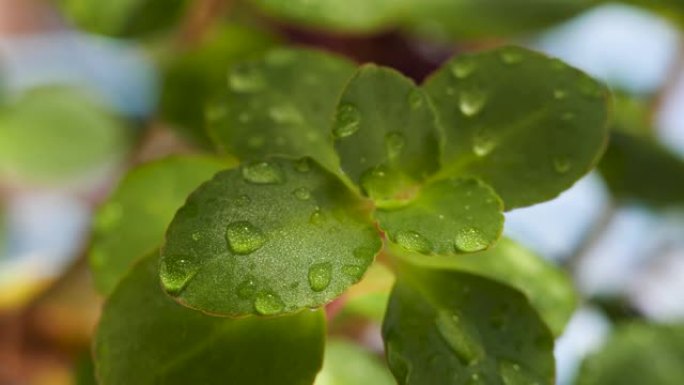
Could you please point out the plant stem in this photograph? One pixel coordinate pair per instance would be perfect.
(591, 239)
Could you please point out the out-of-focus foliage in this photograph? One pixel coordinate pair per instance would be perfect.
(347, 363)
(638, 354)
(125, 18)
(197, 75)
(52, 134)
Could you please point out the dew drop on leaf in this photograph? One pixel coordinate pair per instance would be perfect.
(347, 121)
(303, 165)
(415, 99)
(353, 271)
(561, 164)
(513, 374)
(454, 333)
(475, 379)
(246, 80)
(302, 193)
(364, 253)
(511, 56)
(285, 114)
(470, 240)
(559, 94)
(263, 173)
(462, 68)
(242, 201)
(413, 241)
(320, 275)
(483, 143)
(472, 102)
(267, 303)
(247, 288)
(244, 238)
(317, 217)
(176, 274)
(395, 142)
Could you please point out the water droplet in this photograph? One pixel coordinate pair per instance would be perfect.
(514, 374)
(559, 94)
(347, 122)
(317, 217)
(394, 142)
(196, 236)
(353, 271)
(475, 379)
(415, 99)
(263, 173)
(470, 240)
(247, 288)
(244, 238)
(267, 303)
(242, 201)
(512, 56)
(246, 79)
(302, 193)
(413, 241)
(462, 68)
(455, 334)
(472, 102)
(176, 274)
(320, 275)
(483, 143)
(376, 181)
(562, 164)
(285, 114)
(303, 165)
(364, 253)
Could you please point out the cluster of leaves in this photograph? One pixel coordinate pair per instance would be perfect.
(339, 164)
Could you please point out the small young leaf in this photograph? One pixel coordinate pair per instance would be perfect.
(132, 222)
(281, 104)
(269, 237)
(447, 327)
(528, 125)
(349, 364)
(547, 287)
(447, 217)
(638, 354)
(145, 338)
(639, 169)
(385, 133)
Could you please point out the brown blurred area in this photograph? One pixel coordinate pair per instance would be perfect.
(41, 340)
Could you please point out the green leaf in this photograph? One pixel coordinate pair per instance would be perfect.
(385, 133)
(84, 370)
(132, 222)
(124, 18)
(637, 168)
(347, 363)
(195, 77)
(348, 16)
(469, 19)
(547, 287)
(281, 104)
(638, 354)
(267, 238)
(145, 338)
(52, 134)
(447, 217)
(447, 327)
(527, 125)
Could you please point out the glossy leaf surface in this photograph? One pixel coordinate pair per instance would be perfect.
(144, 338)
(267, 238)
(349, 364)
(547, 287)
(448, 327)
(132, 222)
(447, 217)
(54, 134)
(638, 354)
(281, 104)
(637, 168)
(527, 125)
(195, 77)
(385, 132)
